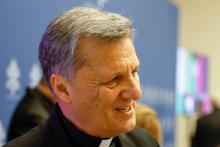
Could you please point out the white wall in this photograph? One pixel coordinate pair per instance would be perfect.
(199, 31)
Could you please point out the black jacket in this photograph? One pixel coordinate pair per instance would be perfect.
(208, 131)
(53, 134)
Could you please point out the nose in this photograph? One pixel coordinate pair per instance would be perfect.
(131, 89)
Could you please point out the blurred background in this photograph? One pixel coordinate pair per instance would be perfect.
(176, 41)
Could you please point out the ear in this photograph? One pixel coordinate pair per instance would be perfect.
(59, 86)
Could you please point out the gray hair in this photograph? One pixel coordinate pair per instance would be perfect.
(58, 50)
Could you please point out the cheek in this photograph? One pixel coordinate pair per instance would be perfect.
(84, 98)
(107, 97)
(93, 98)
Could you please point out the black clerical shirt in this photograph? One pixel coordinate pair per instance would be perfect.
(75, 135)
(59, 132)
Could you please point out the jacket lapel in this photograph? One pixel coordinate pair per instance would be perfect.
(125, 141)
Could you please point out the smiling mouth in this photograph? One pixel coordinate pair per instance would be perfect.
(124, 109)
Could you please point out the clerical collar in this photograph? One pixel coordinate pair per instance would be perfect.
(78, 137)
(106, 142)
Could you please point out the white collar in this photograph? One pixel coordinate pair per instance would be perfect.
(106, 142)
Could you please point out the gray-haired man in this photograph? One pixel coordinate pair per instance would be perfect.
(90, 63)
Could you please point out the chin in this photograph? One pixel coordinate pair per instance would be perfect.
(128, 126)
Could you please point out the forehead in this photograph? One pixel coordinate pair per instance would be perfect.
(96, 52)
(108, 58)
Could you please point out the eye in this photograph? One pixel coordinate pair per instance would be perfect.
(134, 72)
(113, 82)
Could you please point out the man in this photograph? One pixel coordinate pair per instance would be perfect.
(36, 106)
(33, 109)
(90, 63)
(207, 132)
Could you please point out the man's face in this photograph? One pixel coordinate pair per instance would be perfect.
(105, 88)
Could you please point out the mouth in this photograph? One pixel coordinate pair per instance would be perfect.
(125, 111)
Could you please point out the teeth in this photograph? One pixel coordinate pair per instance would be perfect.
(126, 109)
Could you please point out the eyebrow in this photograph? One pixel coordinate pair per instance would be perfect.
(135, 67)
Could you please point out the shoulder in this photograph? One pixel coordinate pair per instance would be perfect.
(33, 104)
(28, 102)
(34, 138)
(204, 119)
(139, 137)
